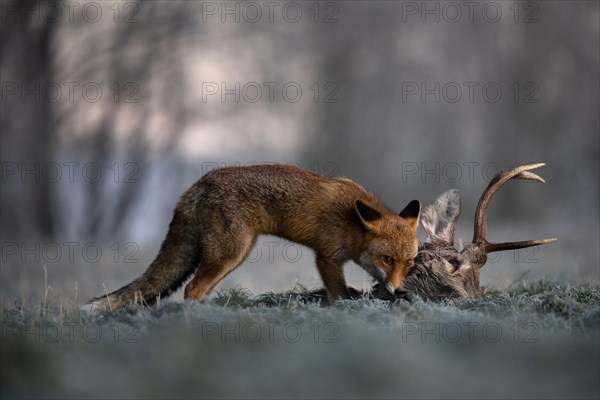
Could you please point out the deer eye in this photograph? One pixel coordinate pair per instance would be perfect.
(408, 263)
(388, 260)
(455, 263)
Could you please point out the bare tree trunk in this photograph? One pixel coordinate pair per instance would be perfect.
(26, 123)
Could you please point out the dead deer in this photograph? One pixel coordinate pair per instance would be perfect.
(442, 271)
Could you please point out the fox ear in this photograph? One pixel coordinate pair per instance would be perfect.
(369, 216)
(411, 214)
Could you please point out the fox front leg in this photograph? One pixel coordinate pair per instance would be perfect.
(332, 274)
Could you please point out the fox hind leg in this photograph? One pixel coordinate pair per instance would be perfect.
(216, 265)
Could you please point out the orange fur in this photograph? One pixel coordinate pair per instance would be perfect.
(218, 219)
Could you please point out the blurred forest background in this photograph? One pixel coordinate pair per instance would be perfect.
(111, 110)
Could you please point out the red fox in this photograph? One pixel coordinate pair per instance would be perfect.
(218, 219)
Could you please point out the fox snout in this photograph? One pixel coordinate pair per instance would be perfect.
(394, 280)
(391, 288)
(386, 270)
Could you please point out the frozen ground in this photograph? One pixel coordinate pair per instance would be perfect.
(537, 340)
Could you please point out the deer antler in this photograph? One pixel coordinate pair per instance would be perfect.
(480, 230)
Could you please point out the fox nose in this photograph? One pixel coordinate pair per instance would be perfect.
(390, 288)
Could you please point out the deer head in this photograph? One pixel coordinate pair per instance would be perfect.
(441, 271)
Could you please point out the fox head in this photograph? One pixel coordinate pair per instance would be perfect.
(393, 243)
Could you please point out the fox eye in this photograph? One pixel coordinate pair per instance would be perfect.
(388, 260)
(408, 263)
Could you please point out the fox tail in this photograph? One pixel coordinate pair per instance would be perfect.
(177, 259)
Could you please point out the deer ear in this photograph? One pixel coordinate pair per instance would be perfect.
(370, 217)
(440, 218)
(411, 213)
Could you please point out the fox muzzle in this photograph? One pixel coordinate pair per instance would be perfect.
(389, 287)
